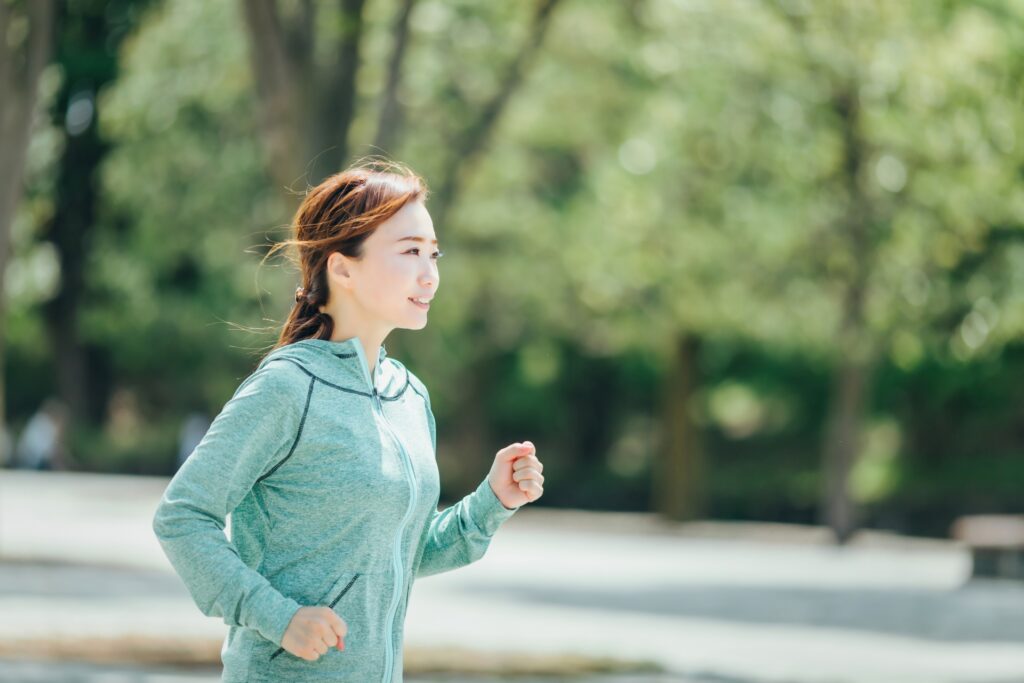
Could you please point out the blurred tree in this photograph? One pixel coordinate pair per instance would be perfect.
(186, 195)
(389, 124)
(305, 68)
(88, 40)
(804, 177)
(26, 39)
(672, 181)
(924, 180)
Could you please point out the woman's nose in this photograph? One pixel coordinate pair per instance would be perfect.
(430, 277)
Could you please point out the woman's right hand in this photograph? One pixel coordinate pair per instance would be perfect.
(314, 630)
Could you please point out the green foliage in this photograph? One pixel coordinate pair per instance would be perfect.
(666, 167)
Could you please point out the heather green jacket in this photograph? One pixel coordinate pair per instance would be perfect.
(332, 485)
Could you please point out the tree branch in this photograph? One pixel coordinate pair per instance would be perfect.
(474, 140)
(390, 113)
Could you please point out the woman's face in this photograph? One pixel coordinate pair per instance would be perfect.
(399, 264)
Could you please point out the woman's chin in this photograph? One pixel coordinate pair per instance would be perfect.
(415, 325)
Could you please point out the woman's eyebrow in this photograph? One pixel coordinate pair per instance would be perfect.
(413, 238)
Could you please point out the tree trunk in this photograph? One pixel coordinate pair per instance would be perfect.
(678, 489)
(305, 108)
(390, 121)
(852, 381)
(20, 67)
(842, 446)
(89, 67)
(332, 104)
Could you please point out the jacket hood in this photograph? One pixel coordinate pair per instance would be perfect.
(343, 364)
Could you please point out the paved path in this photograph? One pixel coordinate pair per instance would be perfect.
(715, 603)
(39, 672)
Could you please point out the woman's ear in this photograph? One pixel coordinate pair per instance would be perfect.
(339, 269)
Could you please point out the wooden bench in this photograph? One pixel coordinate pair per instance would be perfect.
(996, 543)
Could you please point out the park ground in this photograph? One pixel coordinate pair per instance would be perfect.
(86, 595)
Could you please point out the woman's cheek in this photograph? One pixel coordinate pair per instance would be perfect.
(399, 268)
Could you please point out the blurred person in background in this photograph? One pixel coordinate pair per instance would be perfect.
(193, 429)
(41, 445)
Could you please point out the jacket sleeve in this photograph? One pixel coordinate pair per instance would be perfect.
(257, 428)
(460, 534)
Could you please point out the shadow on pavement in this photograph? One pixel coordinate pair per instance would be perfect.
(980, 611)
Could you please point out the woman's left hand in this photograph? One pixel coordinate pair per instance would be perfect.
(515, 476)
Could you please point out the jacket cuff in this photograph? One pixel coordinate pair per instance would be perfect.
(272, 616)
(487, 511)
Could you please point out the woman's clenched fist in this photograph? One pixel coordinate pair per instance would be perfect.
(515, 475)
(312, 631)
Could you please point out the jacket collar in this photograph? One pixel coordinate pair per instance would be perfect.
(339, 362)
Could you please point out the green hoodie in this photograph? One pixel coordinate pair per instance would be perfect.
(331, 482)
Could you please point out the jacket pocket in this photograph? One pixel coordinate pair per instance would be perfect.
(341, 586)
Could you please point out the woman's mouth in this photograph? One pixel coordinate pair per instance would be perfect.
(423, 304)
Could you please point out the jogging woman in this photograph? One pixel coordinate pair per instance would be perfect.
(325, 458)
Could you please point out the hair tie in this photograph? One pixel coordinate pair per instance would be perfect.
(300, 294)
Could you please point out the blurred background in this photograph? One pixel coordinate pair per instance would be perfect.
(746, 272)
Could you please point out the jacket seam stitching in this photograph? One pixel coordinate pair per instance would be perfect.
(423, 396)
(323, 381)
(298, 433)
(400, 391)
(351, 391)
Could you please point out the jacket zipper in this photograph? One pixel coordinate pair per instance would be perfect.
(389, 654)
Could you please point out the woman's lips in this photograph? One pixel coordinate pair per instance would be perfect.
(419, 305)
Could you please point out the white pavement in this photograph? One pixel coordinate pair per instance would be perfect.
(711, 602)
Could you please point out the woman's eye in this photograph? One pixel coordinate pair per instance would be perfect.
(435, 255)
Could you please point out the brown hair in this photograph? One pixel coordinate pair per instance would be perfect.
(338, 215)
